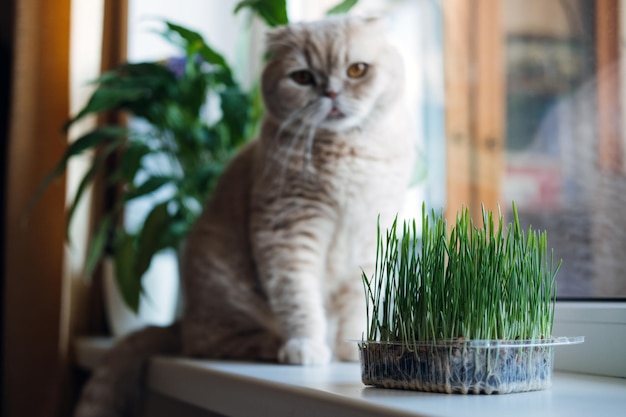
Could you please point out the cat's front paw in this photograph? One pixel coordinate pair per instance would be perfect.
(304, 351)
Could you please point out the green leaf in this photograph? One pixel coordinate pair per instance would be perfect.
(107, 98)
(176, 232)
(235, 109)
(192, 94)
(144, 74)
(257, 110)
(147, 187)
(195, 44)
(135, 87)
(274, 12)
(91, 140)
(157, 80)
(88, 141)
(128, 283)
(206, 178)
(130, 161)
(98, 244)
(343, 7)
(175, 116)
(189, 36)
(212, 57)
(86, 180)
(109, 77)
(151, 237)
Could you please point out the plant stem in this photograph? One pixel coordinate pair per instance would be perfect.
(487, 282)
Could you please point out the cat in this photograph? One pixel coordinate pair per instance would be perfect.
(272, 269)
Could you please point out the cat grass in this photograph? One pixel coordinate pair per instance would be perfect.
(460, 309)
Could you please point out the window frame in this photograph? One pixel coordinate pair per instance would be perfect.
(603, 323)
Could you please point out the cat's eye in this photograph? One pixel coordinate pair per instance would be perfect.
(303, 77)
(357, 70)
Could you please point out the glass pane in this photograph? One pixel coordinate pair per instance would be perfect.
(515, 100)
(562, 95)
(527, 112)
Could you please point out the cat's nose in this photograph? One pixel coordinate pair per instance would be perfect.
(330, 94)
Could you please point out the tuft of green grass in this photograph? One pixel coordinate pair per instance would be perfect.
(488, 282)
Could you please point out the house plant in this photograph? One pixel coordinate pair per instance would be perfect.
(468, 310)
(170, 145)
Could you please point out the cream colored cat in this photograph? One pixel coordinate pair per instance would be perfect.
(272, 268)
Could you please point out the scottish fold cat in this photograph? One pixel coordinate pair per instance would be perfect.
(272, 269)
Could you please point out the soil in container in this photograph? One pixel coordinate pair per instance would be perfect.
(456, 367)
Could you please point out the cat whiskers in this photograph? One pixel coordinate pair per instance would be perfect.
(281, 149)
(316, 118)
(286, 161)
(284, 154)
(308, 149)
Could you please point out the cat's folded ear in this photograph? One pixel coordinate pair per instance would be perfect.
(276, 37)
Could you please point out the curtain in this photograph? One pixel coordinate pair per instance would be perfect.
(44, 299)
(33, 361)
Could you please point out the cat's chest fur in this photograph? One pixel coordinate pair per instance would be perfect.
(370, 184)
(293, 219)
(352, 178)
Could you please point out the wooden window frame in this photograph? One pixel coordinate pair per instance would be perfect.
(475, 105)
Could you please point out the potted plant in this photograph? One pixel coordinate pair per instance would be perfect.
(468, 310)
(171, 145)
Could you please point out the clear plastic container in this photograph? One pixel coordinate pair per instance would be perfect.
(461, 366)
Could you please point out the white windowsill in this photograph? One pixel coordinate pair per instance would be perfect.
(604, 326)
(255, 389)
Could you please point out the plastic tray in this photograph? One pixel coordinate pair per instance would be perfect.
(461, 366)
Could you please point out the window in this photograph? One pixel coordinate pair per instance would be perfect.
(521, 100)
(564, 141)
(516, 100)
(538, 123)
(528, 111)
